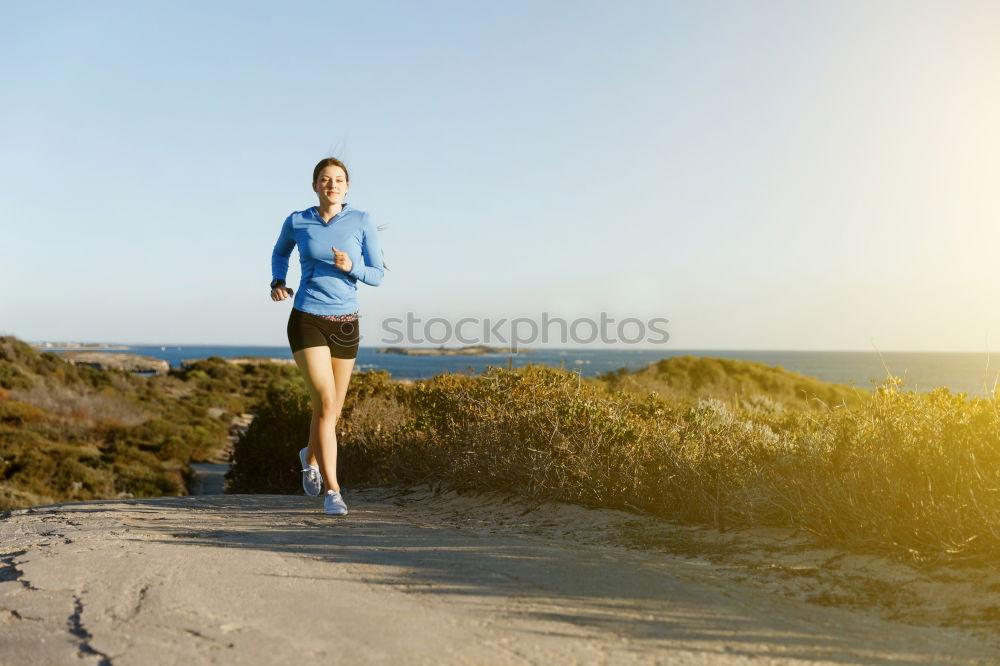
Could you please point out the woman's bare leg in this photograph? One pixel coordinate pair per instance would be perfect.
(313, 445)
(342, 369)
(317, 370)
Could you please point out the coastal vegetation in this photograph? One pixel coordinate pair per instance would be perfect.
(695, 440)
(72, 432)
(686, 377)
(913, 475)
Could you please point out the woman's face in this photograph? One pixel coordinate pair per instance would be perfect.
(331, 185)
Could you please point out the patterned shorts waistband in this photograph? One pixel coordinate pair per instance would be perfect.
(352, 316)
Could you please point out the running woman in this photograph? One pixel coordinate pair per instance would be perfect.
(338, 247)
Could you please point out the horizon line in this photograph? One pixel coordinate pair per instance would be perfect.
(546, 348)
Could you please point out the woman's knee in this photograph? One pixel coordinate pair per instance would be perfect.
(326, 404)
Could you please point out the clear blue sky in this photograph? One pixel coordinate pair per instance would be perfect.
(765, 175)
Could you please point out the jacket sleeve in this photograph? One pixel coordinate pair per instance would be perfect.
(282, 250)
(372, 271)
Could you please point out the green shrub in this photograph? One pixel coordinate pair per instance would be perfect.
(73, 432)
(12, 378)
(17, 413)
(911, 474)
(265, 458)
(732, 381)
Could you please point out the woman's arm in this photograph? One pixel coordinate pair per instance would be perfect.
(282, 251)
(372, 271)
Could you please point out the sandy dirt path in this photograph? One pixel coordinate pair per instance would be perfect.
(265, 579)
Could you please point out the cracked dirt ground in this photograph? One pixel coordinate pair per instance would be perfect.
(263, 579)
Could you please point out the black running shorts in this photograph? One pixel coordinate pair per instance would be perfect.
(309, 330)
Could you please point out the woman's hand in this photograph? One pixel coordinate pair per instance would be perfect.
(280, 293)
(341, 260)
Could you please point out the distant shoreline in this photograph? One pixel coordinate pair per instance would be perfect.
(472, 350)
(77, 346)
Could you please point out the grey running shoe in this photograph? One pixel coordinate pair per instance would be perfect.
(312, 481)
(334, 504)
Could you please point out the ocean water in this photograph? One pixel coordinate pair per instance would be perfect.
(971, 373)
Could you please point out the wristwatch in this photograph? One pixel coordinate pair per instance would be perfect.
(277, 283)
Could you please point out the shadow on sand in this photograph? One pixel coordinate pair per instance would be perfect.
(630, 595)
